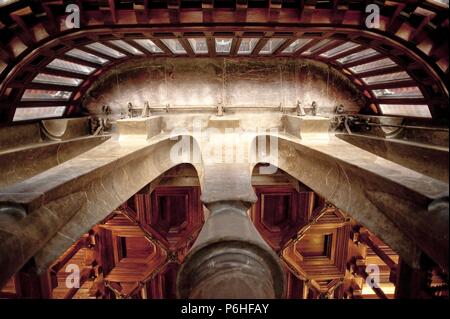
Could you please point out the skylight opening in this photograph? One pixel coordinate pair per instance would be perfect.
(340, 49)
(223, 45)
(317, 46)
(58, 64)
(375, 65)
(418, 110)
(33, 113)
(149, 45)
(101, 48)
(387, 78)
(45, 95)
(247, 45)
(174, 46)
(271, 46)
(6, 2)
(199, 45)
(55, 79)
(127, 47)
(358, 56)
(406, 92)
(89, 57)
(296, 45)
(440, 2)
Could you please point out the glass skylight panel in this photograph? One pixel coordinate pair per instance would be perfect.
(45, 95)
(340, 49)
(174, 45)
(407, 92)
(149, 45)
(89, 57)
(58, 64)
(317, 46)
(32, 113)
(127, 47)
(5, 2)
(101, 48)
(296, 45)
(199, 45)
(223, 45)
(271, 45)
(358, 56)
(387, 78)
(406, 110)
(247, 45)
(444, 2)
(55, 79)
(375, 65)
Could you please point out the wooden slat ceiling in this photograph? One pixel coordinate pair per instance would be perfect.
(412, 35)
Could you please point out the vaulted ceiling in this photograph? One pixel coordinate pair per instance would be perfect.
(401, 67)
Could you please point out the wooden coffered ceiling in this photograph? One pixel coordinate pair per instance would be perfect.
(412, 34)
(136, 252)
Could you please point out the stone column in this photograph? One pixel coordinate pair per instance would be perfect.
(230, 259)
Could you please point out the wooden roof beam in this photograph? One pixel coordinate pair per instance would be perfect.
(241, 10)
(174, 11)
(26, 35)
(43, 86)
(207, 11)
(56, 72)
(274, 10)
(393, 84)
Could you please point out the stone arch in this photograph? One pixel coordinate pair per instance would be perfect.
(363, 194)
(54, 220)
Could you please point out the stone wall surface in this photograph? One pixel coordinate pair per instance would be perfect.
(205, 82)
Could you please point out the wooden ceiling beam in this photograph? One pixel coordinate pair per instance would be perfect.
(210, 40)
(241, 10)
(174, 11)
(339, 11)
(26, 35)
(402, 101)
(349, 52)
(333, 44)
(261, 43)
(99, 54)
(41, 103)
(393, 84)
(363, 61)
(80, 61)
(274, 10)
(43, 86)
(397, 19)
(187, 46)
(162, 46)
(304, 48)
(51, 25)
(113, 10)
(235, 46)
(284, 45)
(37, 70)
(207, 11)
(379, 71)
(116, 47)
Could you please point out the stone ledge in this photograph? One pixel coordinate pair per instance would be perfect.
(144, 128)
(310, 127)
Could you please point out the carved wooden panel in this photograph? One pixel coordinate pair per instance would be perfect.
(320, 250)
(128, 254)
(279, 212)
